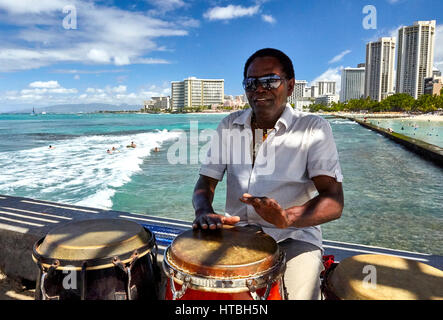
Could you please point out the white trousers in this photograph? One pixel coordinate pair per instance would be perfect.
(304, 263)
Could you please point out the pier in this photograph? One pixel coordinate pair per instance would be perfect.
(425, 150)
(24, 221)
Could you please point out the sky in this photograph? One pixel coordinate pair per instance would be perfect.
(124, 52)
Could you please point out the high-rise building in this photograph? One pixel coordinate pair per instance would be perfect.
(415, 57)
(433, 85)
(314, 91)
(326, 87)
(436, 72)
(352, 84)
(299, 91)
(379, 73)
(158, 103)
(193, 92)
(327, 99)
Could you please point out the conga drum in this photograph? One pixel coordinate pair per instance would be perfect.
(232, 263)
(97, 259)
(382, 277)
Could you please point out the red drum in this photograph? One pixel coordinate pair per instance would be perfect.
(233, 263)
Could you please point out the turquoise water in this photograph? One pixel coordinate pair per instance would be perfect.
(427, 131)
(393, 198)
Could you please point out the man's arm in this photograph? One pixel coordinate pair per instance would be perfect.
(202, 201)
(327, 206)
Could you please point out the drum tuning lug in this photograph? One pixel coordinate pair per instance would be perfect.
(251, 284)
(56, 263)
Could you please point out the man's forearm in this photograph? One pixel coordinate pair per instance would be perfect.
(202, 201)
(204, 195)
(321, 209)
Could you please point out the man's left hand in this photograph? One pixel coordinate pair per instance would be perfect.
(269, 209)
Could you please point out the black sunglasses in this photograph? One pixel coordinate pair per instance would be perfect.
(267, 82)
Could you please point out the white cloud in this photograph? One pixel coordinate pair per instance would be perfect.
(332, 74)
(230, 12)
(32, 6)
(339, 57)
(98, 55)
(268, 18)
(163, 6)
(43, 84)
(119, 89)
(105, 35)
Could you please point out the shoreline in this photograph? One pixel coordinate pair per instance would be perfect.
(390, 115)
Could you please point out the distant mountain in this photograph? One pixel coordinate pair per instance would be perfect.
(85, 108)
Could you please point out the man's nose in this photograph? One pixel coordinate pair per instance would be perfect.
(259, 87)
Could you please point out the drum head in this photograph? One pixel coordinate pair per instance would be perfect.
(93, 239)
(228, 252)
(382, 277)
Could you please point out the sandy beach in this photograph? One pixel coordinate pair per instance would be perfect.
(397, 115)
(424, 117)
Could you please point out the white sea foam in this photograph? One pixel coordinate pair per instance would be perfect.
(78, 171)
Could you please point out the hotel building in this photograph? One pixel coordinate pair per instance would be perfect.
(379, 74)
(415, 57)
(193, 92)
(352, 84)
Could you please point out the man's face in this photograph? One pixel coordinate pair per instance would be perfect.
(268, 103)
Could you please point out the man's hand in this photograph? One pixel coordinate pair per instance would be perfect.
(205, 217)
(325, 207)
(269, 209)
(213, 221)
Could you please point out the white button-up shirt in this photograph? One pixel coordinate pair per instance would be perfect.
(300, 148)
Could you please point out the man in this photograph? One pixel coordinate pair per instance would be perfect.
(290, 189)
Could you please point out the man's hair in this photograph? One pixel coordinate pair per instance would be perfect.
(284, 60)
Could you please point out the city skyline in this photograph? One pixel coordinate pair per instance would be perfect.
(126, 52)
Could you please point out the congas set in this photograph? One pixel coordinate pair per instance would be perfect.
(97, 259)
(232, 263)
(382, 277)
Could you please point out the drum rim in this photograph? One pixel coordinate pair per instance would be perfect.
(91, 264)
(225, 284)
(246, 268)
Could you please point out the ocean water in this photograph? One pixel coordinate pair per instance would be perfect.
(427, 131)
(393, 198)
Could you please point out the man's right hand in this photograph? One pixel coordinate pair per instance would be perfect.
(213, 221)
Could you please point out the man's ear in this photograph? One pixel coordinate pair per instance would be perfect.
(291, 84)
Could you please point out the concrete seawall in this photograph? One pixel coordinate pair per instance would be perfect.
(426, 150)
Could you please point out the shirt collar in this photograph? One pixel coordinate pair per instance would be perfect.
(244, 118)
(285, 119)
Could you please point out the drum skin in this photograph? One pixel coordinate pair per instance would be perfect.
(219, 264)
(89, 259)
(382, 277)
